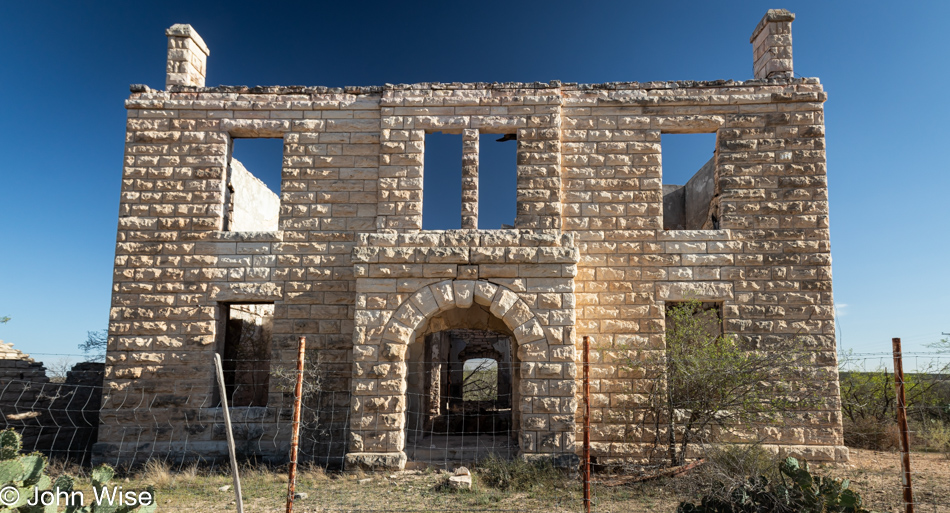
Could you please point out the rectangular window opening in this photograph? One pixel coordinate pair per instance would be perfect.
(688, 163)
(497, 181)
(442, 182)
(252, 195)
(246, 352)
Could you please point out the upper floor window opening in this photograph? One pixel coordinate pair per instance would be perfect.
(442, 182)
(252, 193)
(497, 181)
(689, 187)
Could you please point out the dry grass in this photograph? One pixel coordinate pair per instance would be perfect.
(313, 473)
(265, 490)
(876, 475)
(56, 467)
(159, 474)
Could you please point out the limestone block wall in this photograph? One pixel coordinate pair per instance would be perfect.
(769, 263)
(176, 265)
(531, 111)
(349, 267)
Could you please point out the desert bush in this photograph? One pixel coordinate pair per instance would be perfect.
(869, 433)
(734, 462)
(934, 435)
(481, 382)
(314, 399)
(517, 475)
(706, 381)
(869, 401)
(726, 467)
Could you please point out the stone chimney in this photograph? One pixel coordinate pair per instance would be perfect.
(187, 57)
(772, 45)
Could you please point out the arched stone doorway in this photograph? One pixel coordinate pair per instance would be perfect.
(461, 381)
(390, 398)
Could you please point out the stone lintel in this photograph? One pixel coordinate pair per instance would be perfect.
(375, 461)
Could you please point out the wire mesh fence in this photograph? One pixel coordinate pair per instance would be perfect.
(458, 425)
(869, 408)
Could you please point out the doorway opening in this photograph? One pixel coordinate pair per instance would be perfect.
(462, 394)
(246, 353)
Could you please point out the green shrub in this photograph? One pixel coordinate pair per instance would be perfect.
(869, 404)
(935, 435)
(706, 381)
(734, 462)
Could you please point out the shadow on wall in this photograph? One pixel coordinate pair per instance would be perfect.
(687, 207)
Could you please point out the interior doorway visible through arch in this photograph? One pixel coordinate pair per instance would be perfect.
(461, 396)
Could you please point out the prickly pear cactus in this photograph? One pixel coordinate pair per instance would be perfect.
(22, 476)
(10, 444)
(818, 493)
(801, 492)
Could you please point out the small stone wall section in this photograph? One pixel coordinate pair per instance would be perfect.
(58, 419)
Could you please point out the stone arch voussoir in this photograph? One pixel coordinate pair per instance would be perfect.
(411, 316)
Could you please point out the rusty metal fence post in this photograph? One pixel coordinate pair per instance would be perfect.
(902, 424)
(586, 462)
(295, 429)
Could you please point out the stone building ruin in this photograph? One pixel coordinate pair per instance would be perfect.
(600, 246)
(58, 417)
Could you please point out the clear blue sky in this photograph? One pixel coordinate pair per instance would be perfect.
(65, 69)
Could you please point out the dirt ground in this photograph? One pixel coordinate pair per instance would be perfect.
(875, 475)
